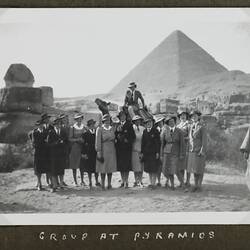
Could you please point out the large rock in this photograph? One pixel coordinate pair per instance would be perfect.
(19, 75)
(20, 99)
(47, 96)
(14, 127)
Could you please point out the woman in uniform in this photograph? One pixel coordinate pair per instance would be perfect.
(40, 166)
(76, 140)
(182, 166)
(125, 136)
(137, 164)
(172, 149)
(89, 152)
(105, 147)
(197, 149)
(57, 140)
(150, 149)
(159, 124)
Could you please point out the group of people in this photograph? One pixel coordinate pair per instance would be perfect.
(172, 145)
(159, 146)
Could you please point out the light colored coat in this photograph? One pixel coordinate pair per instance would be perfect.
(197, 148)
(105, 144)
(197, 138)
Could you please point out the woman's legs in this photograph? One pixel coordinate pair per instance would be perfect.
(140, 175)
(136, 179)
(200, 179)
(159, 177)
(188, 179)
(171, 178)
(39, 182)
(153, 178)
(54, 183)
(74, 176)
(109, 180)
(61, 182)
(48, 179)
(126, 174)
(103, 176)
(96, 179)
(196, 182)
(90, 179)
(122, 178)
(180, 177)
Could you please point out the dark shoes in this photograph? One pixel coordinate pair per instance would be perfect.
(53, 190)
(40, 188)
(64, 184)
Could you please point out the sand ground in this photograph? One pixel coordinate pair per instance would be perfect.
(224, 189)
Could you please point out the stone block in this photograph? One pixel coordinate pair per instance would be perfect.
(20, 99)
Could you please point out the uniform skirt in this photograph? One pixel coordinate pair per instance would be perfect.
(196, 164)
(41, 160)
(137, 165)
(75, 156)
(151, 164)
(123, 160)
(109, 154)
(170, 164)
(182, 163)
(89, 165)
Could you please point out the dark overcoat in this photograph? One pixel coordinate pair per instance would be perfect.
(125, 137)
(88, 149)
(41, 163)
(58, 143)
(150, 147)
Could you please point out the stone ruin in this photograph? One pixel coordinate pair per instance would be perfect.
(19, 93)
(21, 104)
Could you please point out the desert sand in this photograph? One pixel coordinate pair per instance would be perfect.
(224, 189)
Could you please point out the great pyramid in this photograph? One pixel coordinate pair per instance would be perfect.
(176, 64)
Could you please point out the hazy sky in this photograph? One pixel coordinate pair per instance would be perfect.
(87, 51)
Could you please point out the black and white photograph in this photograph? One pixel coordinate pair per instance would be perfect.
(124, 111)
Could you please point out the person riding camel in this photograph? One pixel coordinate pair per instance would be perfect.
(131, 99)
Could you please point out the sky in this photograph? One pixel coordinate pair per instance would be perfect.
(88, 51)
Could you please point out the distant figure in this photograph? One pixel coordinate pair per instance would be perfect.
(131, 99)
(102, 105)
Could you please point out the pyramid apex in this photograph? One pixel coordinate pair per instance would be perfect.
(177, 33)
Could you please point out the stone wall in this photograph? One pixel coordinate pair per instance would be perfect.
(20, 99)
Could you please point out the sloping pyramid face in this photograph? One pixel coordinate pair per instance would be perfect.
(175, 62)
